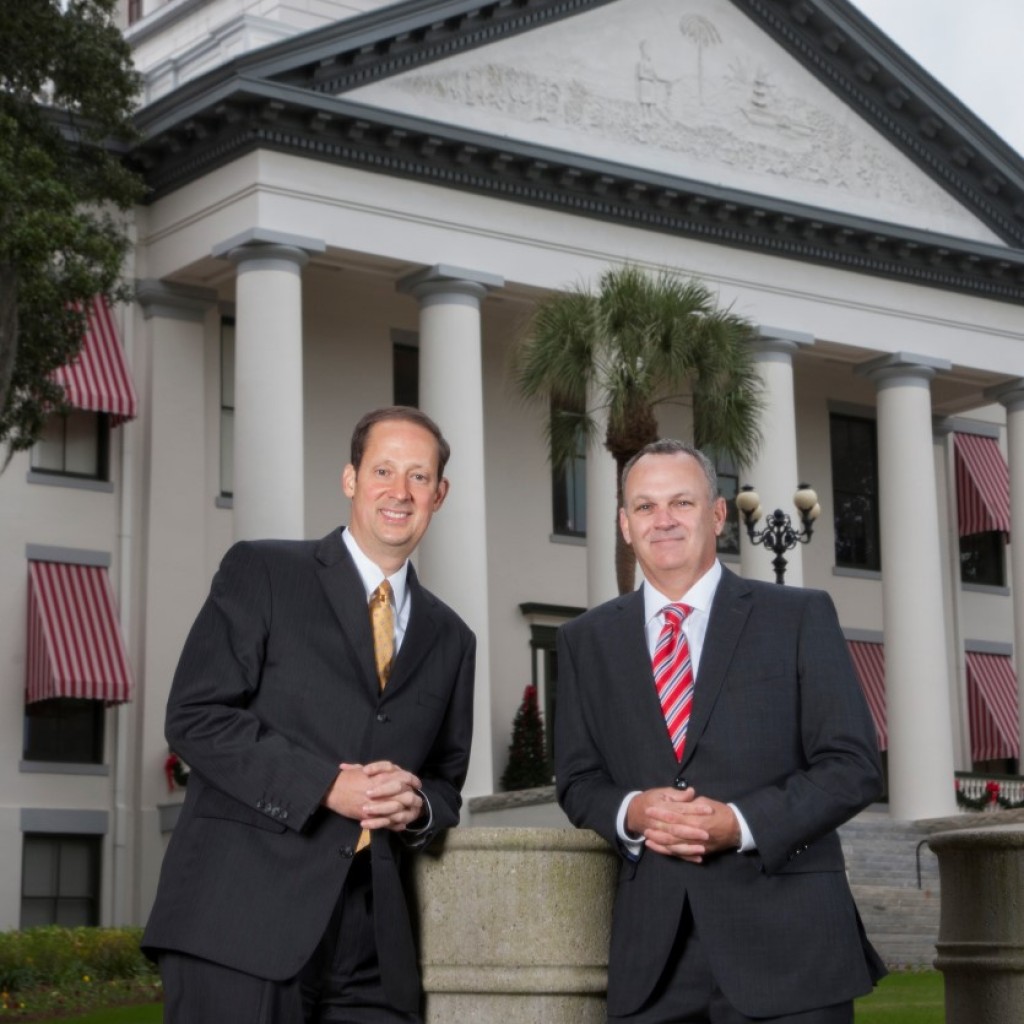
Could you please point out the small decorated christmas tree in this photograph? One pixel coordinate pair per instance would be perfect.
(527, 761)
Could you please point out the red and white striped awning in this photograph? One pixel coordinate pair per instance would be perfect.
(97, 379)
(992, 706)
(869, 662)
(75, 647)
(982, 485)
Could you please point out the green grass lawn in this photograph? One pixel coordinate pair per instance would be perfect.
(153, 1013)
(908, 998)
(911, 998)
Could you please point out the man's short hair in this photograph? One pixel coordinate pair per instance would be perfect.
(404, 413)
(669, 446)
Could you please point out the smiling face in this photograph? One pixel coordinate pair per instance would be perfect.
(395, 491)
(671, 520)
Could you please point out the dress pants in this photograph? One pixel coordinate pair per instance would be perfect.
(340, 984)
(688, 994)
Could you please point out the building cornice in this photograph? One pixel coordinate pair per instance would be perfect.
(262, 115)
(289, 98)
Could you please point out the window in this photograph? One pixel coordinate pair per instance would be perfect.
(544, 620)
(569, 486)
(545, 672)
(569, 493)
(405, 374)
(60, 880)
(983, 559)
(227, 407)
(855, 491)
(74, 444)
(728, 485)
(65, 730)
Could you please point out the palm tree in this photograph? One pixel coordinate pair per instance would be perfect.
(641, 340)
(702, 33)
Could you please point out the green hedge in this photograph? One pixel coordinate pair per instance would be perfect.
(43, 968)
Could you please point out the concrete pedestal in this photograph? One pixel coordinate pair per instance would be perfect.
(514, 926)
(981, 933)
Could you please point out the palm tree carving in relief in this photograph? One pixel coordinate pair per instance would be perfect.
(639, 341)
(702, 33)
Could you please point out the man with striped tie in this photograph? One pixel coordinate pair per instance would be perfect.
(713, 731)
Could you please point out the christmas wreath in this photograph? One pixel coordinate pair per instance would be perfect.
(991, 796)
(176, 772)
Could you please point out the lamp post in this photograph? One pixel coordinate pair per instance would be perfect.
(778, 534)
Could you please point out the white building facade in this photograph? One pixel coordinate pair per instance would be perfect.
(354, 204)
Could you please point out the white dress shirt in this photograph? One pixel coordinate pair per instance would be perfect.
(695, 626)
(372, 576)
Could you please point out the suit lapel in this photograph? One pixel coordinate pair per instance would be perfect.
(632, 665)
(420, 634)
(729, 612)
(347, 597)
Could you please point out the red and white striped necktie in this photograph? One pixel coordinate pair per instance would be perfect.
(673, 674)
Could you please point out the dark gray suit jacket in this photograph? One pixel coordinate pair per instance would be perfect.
(275, 687)
(780, 728)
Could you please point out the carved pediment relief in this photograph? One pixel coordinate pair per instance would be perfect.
(689, 88)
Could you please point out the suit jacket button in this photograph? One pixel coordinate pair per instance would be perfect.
(259, 805)
(382, 717)
(284, 815)
(347, 851)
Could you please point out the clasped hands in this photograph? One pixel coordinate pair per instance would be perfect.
(377, 795)
(679, 823)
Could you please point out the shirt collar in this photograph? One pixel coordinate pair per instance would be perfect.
(698, 597)
(371, 574)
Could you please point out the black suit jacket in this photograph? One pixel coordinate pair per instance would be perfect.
(275, 687)
(780, 728)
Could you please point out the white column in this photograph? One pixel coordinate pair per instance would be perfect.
(774, 473)
(1012, 398)
(917, 671)
(602, 511)
(173, 565)
(452, 560)
(269, 479)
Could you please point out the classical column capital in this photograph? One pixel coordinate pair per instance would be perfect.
(260, 248)
(902, 368)
(442, 283)
(1010, 395)
(773, 342)
(174, 301)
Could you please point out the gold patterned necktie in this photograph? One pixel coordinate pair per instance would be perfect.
(382, 623)
(382, 619)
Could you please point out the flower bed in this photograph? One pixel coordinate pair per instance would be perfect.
(49, 971)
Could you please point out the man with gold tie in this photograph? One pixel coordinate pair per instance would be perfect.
(324, 703)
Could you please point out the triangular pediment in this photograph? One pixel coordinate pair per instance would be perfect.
(694, 89)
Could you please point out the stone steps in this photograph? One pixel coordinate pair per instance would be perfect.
(902, 923)
(895, 879)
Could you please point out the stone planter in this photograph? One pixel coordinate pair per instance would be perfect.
(514, 925)
(981, 934)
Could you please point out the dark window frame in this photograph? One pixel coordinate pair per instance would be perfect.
(856, 547)
(227, 409)
(405, 374)
(983, 559)
(101, 420)
(59, 903)
(569, 491)
(64, 730)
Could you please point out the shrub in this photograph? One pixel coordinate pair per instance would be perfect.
(55, 972)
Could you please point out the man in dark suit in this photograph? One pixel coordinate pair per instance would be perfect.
(321, 749)
(733, 903)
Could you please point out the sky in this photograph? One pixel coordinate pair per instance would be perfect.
(973, 47)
